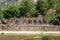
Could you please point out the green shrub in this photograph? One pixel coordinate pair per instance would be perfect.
(45, 37)
(42, 7)
(27, 8)
(2, 33)
(1, 15)
(11, 12)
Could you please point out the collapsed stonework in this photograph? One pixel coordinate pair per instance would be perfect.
(27, 24)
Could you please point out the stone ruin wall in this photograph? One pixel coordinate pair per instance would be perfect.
(27, 24)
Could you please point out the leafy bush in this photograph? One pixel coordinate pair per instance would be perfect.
(27, 8)
(42, 6)
(1, 15)
(53, 3)
(45, 37)
(11, 12)
(54, 19)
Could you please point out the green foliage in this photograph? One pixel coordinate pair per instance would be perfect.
(54, 19)
(42, 7)
(0, 7)
(55, 22)
(27, 8)
(1, 15)
(53, 3)
(11, 12)
(45, 37)
(1, 34)
(58, 15)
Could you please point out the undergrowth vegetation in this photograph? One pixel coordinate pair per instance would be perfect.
(47, 8)
(29, 37)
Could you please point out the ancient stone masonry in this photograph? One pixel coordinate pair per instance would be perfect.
(27, 24)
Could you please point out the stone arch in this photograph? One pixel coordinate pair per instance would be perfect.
(29, 21)
(44, 21)
(39, 21)
(35, 21)
(24, 21)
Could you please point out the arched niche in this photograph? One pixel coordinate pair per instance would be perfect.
(29, 21)
(39, 21)
(35, 21)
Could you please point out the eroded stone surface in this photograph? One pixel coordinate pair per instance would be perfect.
(27, 24)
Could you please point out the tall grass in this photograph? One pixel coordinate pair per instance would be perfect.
(29, 37)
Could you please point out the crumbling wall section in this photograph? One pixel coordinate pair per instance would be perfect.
(27, 24)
